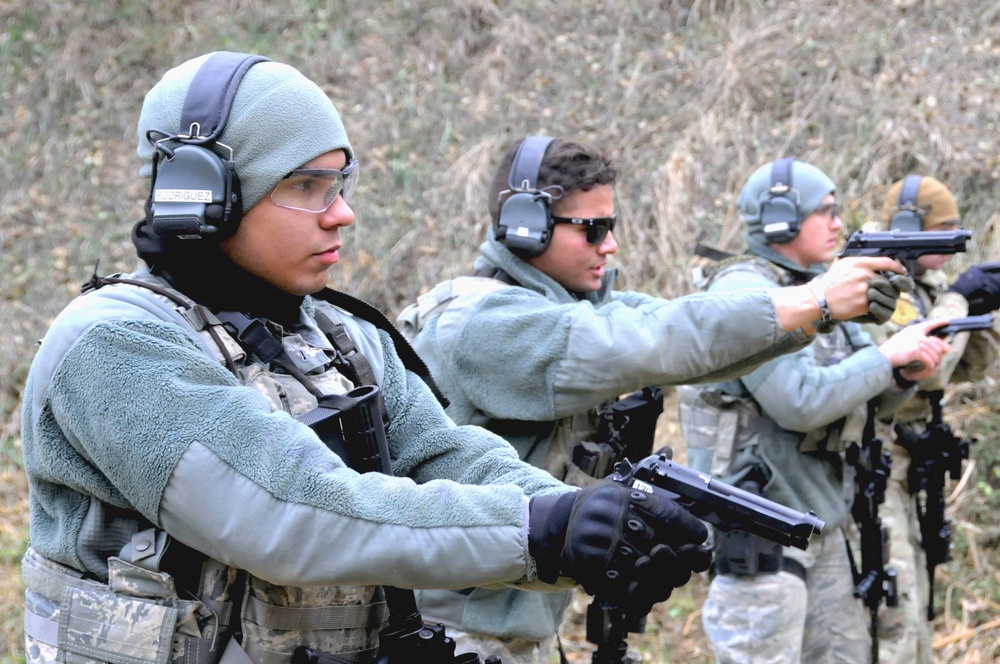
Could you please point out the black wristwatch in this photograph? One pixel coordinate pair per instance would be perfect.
(824, 309)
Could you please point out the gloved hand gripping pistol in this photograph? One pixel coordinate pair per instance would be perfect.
(726, 507)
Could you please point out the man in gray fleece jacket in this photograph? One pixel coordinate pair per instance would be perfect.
(537, 341)
(784, 429)
(183, 510)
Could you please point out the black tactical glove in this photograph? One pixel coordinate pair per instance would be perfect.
(883, 292)
(624, 545)
(980, 288)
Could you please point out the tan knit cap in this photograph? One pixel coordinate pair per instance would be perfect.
(933, 197)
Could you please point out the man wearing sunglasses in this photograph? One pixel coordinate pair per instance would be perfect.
(201, 485)
(783, 431)
(537, 347)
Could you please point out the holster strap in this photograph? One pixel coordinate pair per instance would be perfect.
(41, 629)
(789, 565)
(354, 616)
(259, 655)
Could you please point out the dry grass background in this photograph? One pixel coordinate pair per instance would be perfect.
(689, 95)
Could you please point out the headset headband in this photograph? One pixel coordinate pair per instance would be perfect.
(781, 176)
(210, 96)
(527, 163)
(194, 191)
(908, 194)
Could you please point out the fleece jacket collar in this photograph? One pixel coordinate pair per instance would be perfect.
(493, 254)
(758, 247)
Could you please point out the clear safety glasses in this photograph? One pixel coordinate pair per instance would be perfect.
(315, 189)
(597, 228)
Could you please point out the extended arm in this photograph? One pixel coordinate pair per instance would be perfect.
(521, 356)
(271, 484)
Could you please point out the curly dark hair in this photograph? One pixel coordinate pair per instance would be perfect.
(570, 165)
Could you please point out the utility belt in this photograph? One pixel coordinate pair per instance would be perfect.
(135, 618)
(139, 617)
(742, 554)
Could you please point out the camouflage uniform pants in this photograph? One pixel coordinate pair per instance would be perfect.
(780, 619)
(904, 633)
(511, 651)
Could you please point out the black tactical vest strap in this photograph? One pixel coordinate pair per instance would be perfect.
(358, 367)
(406, 353)
(353, 305)
(495, 273)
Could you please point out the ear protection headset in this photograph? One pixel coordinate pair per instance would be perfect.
(907, 215)
(779, 205)
(194, 192)
(524, 223)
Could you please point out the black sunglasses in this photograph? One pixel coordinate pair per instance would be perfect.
(597, 228)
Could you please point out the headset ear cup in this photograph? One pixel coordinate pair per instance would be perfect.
(906, 220)
(780, 219)
(525, 224)
(908, 216)
(780, 215)
(189, 194)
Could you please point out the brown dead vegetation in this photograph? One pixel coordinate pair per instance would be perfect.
(689, 95)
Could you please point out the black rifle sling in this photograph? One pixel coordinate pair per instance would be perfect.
(711, 253)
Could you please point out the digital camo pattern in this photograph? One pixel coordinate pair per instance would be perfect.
(511, 651)
(99, 627)
(35, 651)
(140, 620)
(779, 619)
(110, 627)
(272, 638)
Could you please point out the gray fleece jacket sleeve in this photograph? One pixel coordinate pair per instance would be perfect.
(561, 358)
(800, 394)
(177, 438)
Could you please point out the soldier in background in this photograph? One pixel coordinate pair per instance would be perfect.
(537, 344)
(782, 430)
(925, 204)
